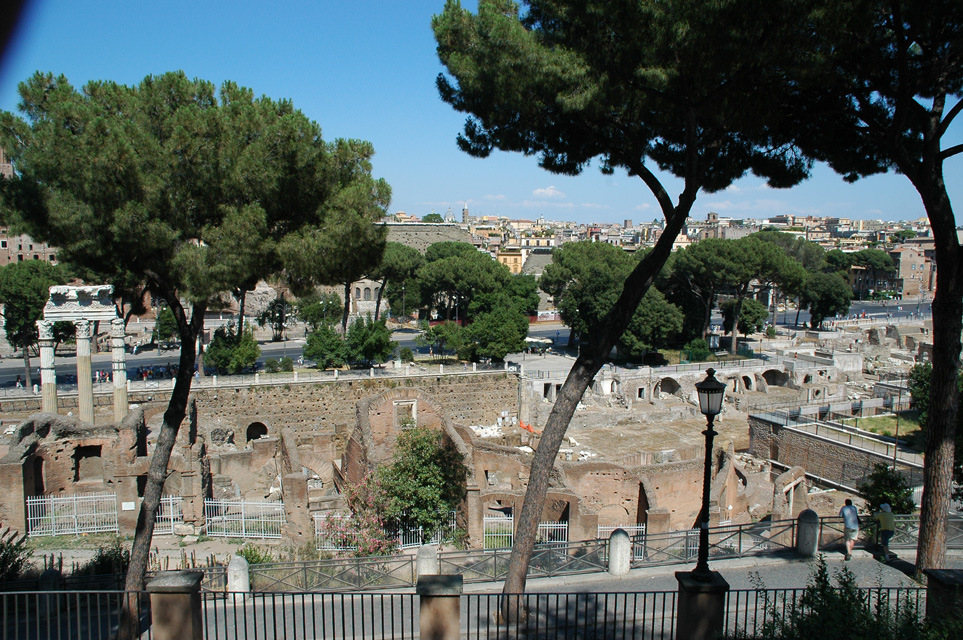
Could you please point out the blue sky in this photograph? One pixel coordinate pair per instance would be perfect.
(366, 69)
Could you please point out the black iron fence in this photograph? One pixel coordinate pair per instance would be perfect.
(73, 615)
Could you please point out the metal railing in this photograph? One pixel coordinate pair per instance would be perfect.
(80, 615)
(170, 511)
(242, 519)
(71, 515)
(343, 574)
(547, 561)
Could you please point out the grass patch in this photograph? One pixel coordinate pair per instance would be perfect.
(909, 427)
(86, 541)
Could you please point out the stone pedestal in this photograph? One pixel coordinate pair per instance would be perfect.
(118, 360)
(702, 605)
(620, 553)
(238, 575)
(48, 373)
(807, 533)
(944, 594)
(426, 562)
(440, 610)
(85, 387)
(175, 603)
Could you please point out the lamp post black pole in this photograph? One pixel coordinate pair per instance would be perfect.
(701, 571)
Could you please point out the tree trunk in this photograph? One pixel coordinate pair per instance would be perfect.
(381, 292)
(157, 472)
(347, 308)
(944, 392)
(240, 313)
(28, 381)
(737, 309)
(589, 361)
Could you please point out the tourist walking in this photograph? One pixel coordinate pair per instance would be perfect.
(850, 526)
(887, 528)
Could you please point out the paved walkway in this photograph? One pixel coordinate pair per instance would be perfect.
(783, 571)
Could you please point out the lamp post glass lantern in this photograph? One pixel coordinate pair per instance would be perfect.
(711, 393)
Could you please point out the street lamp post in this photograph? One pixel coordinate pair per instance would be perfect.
(711, 393)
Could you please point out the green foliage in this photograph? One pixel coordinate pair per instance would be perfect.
(165, 328)
(326, 347)
(112, 558)
(883, 485)
(835, 607)
(432, 217)
(275, 315)
(771, 331)
(586, 278)
(272, 366)
(919, 385)
(406, 354)
(254, 554)
(495, 334)
(752, 316)
(369, 341)
(14, 557)
(24, 290)
(698, 350)
(286, 364)
(441, 337)
(826, 294)
(455, 274)
(425, 480)
(397, 272)
(229, 352)
(317, 310)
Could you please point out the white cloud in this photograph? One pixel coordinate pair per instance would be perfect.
(548, 192)
(545, 205)
(643, 207)
(491, 196)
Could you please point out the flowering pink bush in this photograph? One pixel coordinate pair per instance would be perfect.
(361, 531)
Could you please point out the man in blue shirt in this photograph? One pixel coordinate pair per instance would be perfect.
(850, 526)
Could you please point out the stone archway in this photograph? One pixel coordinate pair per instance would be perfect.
(775, 378)
(256, 431)
(669, 385)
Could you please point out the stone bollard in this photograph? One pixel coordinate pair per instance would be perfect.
(426, 562)
(175, 604)
(257, 378)
(238, 575)
(944, 595)
(441, 369)
(295, 376)
(440, 608)
(620, 553)
(807, 533)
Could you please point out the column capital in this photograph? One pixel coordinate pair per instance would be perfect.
(83, 329)
(118, 328)
(45, 329)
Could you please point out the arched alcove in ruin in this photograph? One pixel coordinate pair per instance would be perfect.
(613, 515)
(642, 515)
(747, 383)
(774, 377)
(669, 385)
(88, 463)
(256, 430)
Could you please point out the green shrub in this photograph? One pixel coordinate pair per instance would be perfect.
(114, 557)
(698, 350)
(14, 557)
(254, 554)
(885, 485)
(406, 354)
(286, 364)
(271, 366)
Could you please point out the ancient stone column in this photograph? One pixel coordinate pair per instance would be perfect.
(85, 387)
(48, 374)
(118, 357)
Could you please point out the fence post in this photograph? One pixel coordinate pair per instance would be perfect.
(944, 595)
(620, 552)
(702, 606)
(807, 533)
(175, 603)
(238, 575)
(440, 607)
(426, 562)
